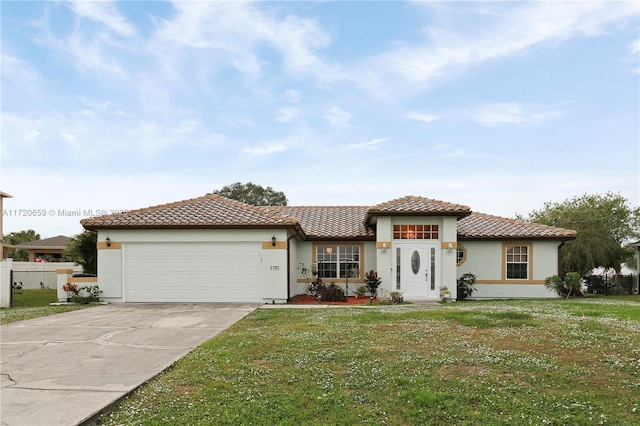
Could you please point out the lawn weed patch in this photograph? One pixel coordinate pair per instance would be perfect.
(498, 362)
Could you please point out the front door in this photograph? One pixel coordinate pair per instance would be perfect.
(418, 270)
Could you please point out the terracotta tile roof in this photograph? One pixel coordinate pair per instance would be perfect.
(54, 242)
(484, 226)
(331, 222)
(319, 222)
(417, 206)
(209, 211)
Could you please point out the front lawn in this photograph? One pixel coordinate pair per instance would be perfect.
(34, 303)
(489, 362)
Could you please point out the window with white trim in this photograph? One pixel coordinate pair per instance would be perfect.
(338, 261)
(517, 262)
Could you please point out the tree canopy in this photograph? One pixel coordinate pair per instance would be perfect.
(604, 224)
(253, 194)
(15, 238)
(82, 249)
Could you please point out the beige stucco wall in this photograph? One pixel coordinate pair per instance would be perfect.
(304, 254)
(485, 260)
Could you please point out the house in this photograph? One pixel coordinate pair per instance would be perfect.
(212, 249)
(47, 249)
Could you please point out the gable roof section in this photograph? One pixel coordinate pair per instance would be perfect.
(209, 211)
(484, 226)
(331, 222)
(416, 206)
(59, 242)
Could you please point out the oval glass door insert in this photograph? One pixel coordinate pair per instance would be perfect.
(415, 262)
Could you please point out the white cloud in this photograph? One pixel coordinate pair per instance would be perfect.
(337, 117)
(293, 95)
(513, 28)
(425, 118)
(286, 114)
(19, 71)
(265, 149)
(498, 114)
(239, 29)
(104, 12)
(367, 145)
(634, 47)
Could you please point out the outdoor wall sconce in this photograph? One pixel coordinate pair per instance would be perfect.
(450, 247)
(384, 247)
(273, 241)
(108, 241)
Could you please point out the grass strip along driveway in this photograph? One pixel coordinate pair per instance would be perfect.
(497, 362)
(34, 303)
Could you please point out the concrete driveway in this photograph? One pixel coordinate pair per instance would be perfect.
(66, 368)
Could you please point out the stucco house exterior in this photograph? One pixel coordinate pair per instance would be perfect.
(212, 249)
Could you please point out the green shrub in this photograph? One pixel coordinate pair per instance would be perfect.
(87, 294)
(570, 286)
(465, 285)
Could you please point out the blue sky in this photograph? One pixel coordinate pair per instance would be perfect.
(501, 106)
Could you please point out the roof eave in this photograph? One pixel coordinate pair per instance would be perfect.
(372, 214)
(515, 237)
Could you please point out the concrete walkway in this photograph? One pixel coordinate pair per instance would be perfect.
(65, 369)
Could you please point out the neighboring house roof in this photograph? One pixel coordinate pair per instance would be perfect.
(331, 222)
(319, 222)
(484, 226)
(209, 211)
(59, 242)
(416, 206)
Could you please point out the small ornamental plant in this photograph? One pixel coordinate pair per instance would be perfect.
(372, 282)
(87, 294)
(70, 288)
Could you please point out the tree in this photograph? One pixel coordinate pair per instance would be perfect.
(604, 223)
(253, 194)
(15, 238)
(82, 249)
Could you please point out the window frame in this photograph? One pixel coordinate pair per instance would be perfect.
(461, 249)
(505, 260)
(340, 249)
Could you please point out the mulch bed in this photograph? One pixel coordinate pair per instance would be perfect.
(307, 299)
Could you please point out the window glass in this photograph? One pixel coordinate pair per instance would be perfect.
(338, 261)
(415, 232)
(517, 262)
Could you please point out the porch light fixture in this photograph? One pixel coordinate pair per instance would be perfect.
(384, 247)
(450, 247)
(108, 241)
(273, 241)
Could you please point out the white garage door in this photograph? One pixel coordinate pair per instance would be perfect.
(192, 272)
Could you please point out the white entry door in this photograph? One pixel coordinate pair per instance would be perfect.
(418, 265)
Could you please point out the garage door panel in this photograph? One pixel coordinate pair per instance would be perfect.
(185, 272)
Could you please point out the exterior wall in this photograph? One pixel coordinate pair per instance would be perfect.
(274, 259)
(5, 281)
(448, 230)
(31, 274)
(485, 260)
(304, 254)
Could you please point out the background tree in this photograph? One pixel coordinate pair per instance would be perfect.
(82, 249)
(253, 194)
(15, 238)
(605, 223)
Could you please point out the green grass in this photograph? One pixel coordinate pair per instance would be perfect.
(489, 362)
(34, 303)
